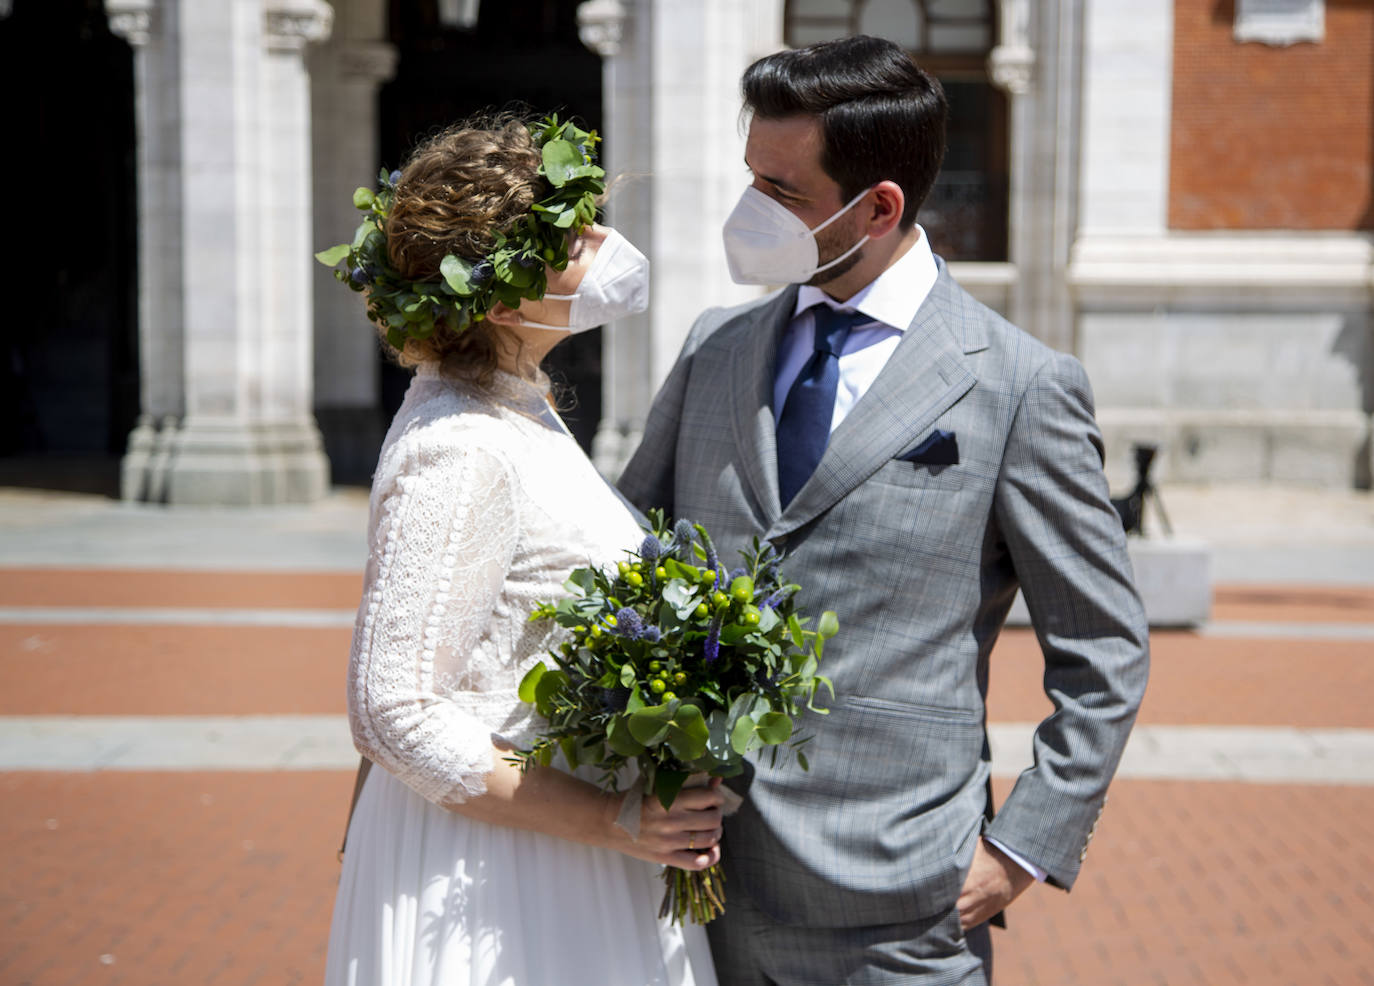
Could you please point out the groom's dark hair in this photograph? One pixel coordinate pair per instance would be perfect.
(881, 116)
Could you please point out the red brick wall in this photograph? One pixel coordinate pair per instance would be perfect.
(1272, 138)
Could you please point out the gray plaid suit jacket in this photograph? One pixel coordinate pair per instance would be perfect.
(921, 564)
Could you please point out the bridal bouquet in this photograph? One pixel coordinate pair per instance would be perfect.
(681, 668)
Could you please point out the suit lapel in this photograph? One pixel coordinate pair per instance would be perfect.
(751, 389)
(926, 374)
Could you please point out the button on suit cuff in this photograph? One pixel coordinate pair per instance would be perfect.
(1020, 860)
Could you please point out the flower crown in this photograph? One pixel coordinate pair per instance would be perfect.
(512, 271)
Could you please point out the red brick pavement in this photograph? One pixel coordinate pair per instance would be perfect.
(227, 878)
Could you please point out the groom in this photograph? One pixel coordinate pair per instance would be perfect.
(917, 458)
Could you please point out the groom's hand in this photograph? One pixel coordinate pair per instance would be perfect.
(994, 881)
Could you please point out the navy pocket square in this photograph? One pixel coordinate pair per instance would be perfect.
(939, 448)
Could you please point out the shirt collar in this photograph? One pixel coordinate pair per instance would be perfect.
(894, 296)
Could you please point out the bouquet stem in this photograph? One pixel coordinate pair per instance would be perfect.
(698, 894)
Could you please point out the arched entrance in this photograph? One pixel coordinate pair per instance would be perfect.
(69, 374)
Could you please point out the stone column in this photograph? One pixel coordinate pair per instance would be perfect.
(345, 75)
(151, 30)
(1035, 64)
(288, 431)
(674, 145)
(225, 324)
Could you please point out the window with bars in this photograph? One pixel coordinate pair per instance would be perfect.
(966, 212)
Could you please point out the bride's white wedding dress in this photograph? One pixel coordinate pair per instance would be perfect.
(480, 509)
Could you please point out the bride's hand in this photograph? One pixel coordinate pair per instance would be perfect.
(687, 835)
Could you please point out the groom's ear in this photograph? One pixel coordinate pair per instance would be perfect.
(888, 202)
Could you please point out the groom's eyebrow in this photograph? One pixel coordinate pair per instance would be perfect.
(775, 182)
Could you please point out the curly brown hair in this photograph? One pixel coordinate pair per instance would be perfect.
(457, 190)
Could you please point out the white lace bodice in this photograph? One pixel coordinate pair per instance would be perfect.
(480, 509)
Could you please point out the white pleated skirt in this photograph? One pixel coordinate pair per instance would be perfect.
(428, 897)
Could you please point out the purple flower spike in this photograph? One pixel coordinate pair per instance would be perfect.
(710, 649)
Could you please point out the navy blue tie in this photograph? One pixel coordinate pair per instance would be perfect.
(804, 425)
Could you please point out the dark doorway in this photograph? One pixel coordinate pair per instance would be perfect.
(519, 52)
(69, 373)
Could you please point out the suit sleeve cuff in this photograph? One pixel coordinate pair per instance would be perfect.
(1020, 860)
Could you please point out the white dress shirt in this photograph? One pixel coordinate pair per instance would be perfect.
(891, 300)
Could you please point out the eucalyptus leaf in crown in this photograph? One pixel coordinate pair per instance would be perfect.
(512, 271)
(681, 668)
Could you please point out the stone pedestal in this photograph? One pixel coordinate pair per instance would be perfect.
(224, 224)
(1173, 576)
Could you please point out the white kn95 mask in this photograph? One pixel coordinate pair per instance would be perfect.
(765, 243)
(615, 285)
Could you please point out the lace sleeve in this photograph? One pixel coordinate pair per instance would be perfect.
(442, 541)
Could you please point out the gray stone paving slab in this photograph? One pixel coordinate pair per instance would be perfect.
(71, 530)
(170, 616)
(1257, 534)
(84, 743)
(1256, 754)
(1278, 754)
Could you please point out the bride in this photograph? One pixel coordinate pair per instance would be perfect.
(460, 869)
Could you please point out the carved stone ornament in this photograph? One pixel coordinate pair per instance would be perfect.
(1012, 63)
(292, 24)
(601, 25)
(1280, 22)
(373, 61)
(135, 21)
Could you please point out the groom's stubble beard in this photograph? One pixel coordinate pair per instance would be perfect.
(833, 241)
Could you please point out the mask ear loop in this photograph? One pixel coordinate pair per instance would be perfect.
(847, 206)
(862, 240)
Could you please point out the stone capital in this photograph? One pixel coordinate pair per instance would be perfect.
(289, 25)
(601, 25)
(136, 21)
(1011, 64)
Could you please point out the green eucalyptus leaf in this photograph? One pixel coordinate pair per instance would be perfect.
(561, 159)
(648, 726)
(457, 274)
(619, 739)
(741, 734)
(774, 728)
(527, 683)
(688, 733)
(548, 686)
(333, 255)
(667, 785)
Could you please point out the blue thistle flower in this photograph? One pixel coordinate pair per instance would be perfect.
(650, 549)
(394, 177)
(684, 534)
(737, 572)
(359, 277)
(481, 273)
(628, 624)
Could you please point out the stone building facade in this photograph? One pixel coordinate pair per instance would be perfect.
(1178, 191)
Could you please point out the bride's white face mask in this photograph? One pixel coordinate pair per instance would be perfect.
(615, 285)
